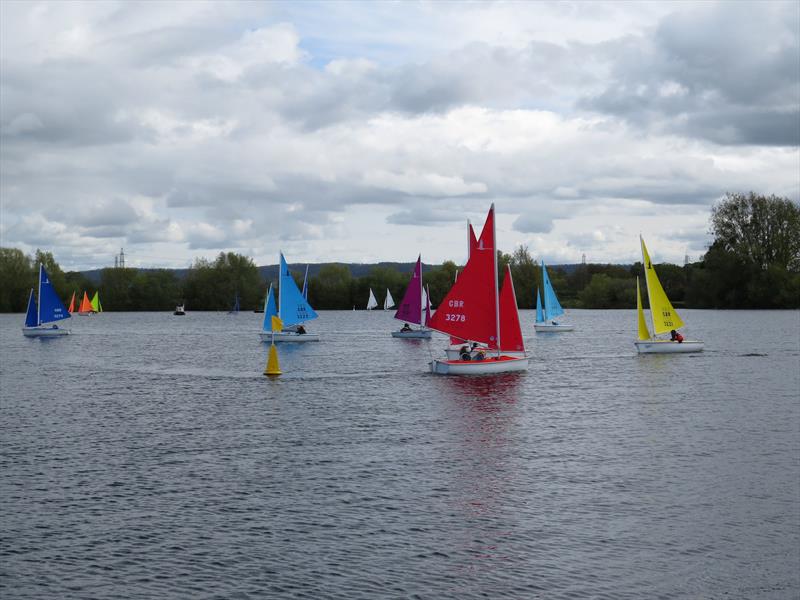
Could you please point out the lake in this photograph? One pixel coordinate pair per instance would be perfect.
(146, 456)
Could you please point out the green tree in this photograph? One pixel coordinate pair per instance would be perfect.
(331, 288)
(16, 280)
(762, 230)
(116, 289)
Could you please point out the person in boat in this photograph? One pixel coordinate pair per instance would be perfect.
(301, 330)
(675, 336)
(481, 354)
(463, 353)
(405, 327)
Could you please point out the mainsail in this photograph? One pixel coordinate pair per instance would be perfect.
(388, 301)
(86, 306)
(372, 302)
(96, 306)
(469, 311)
(552, 308)
(411, 306)
(662, 313)
(292, 307)
(51, 308)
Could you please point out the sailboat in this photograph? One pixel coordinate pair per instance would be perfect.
(474, 309)
(372, 302)
(40, 320)
(415, 307)
(96, 306)
(388, 302)
(235, 308)
(663, 317)
(545, 316)
(85, 308)
(293, 310)
(71, 308)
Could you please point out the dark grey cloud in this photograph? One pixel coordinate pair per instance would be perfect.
(726, 72)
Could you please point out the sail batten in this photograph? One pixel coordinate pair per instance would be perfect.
(663, 315)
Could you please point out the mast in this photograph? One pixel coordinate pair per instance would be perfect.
(280, 287)
(422, 292)
(649, 295)
(496, 293)
(469, 241)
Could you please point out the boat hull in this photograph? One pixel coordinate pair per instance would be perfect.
(44, 332)
(455, 353)
(668, 346)
(288, 336)
(550, 328)
(416, 334)
(489, 366)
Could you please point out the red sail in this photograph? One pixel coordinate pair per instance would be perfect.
(71, 308)
(510, 330)
(468, 309)
(86, 306)
(473, 242)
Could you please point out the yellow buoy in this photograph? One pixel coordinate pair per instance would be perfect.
(273, 368)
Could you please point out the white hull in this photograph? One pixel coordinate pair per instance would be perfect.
(489, 366)
(454, 353)
(288, 336)
(668, 347)
(43, 332)
(550, 328)
(417, 334)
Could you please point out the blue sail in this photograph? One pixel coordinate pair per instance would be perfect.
(305, 284)
(50, 306)
(294, 308)
(539, 314)
(30, 316)
(552, 308)
(269, 310)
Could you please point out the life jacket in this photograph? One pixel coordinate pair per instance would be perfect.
(679, 338)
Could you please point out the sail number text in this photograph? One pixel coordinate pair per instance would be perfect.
(452, 317)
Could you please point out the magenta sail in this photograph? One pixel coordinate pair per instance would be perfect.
(411, 309)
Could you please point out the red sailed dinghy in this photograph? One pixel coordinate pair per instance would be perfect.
(474, 309)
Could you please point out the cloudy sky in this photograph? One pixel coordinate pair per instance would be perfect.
(359, 132)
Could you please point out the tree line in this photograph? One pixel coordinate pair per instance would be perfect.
(753, 262)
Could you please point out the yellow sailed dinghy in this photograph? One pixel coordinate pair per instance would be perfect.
(663, 316)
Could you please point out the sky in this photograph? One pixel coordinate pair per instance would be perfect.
(371, 131)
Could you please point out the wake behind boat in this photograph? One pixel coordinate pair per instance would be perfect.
(41, 318)
(664, 318)
(294, 311)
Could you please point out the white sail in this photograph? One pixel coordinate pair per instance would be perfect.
(389, 301)
(372, 302)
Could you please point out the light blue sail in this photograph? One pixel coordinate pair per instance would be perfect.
(305, 284)
(270, 310)
(539, 313)
(293, 308)
(31, 317)
(552, 308)
(51, 308)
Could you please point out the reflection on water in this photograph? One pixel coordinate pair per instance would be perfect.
(147, 456)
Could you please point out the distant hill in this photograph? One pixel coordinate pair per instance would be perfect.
(270, 272)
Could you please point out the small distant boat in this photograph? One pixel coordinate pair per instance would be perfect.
(388, 302)
(96, 306)
(294, 311)
(71, 308)
(85, 308)
(474, 309)
(40, 320)
(546, 316)
(664, 318)
(235, 308)
(179, 310)
(415, 308)
(372, 302)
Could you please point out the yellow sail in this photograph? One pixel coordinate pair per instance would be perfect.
(664, 316)
(96, 302)
(644, 333)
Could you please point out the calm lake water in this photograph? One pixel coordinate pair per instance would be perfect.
(146, 456)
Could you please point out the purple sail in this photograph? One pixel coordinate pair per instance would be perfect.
(411, 309)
